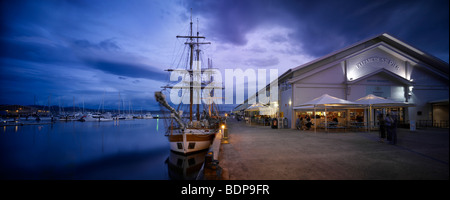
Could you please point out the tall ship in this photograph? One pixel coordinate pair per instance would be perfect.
(191, 127)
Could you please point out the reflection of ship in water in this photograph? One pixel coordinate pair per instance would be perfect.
(185, 167)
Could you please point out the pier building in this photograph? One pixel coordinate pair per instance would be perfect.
(383, 66)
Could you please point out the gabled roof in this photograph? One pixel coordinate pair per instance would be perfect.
(425, 59)
(428, 59)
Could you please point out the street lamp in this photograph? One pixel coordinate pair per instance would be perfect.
(225, 134)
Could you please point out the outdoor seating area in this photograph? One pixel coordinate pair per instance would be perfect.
(357, 126)
(331, 114)
(258, 120)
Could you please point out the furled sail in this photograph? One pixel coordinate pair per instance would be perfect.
(161, 98)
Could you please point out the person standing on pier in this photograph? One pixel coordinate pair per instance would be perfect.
(389, 127)
(382, 127)
(394, 130)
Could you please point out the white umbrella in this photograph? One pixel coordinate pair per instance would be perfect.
(379, 102)
(255, 107)
(267, 111)
(258, 107)
(326, 101)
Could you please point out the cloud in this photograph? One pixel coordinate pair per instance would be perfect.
(109, 57)
(262, 62)
(230, 21)
(124, 69)
(84, 48)
(326, 26)
(107, 45)
(65, 49)
(36, 49)
(256, 49)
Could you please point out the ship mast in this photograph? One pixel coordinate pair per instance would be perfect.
(192, 44)
(197, 51)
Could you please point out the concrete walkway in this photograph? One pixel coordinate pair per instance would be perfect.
(262, 153)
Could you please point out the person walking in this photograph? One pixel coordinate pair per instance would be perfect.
(298, 123)
(382, 127)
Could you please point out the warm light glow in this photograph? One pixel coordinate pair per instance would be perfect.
(410, 90)
(351, 75)
(290, 102)
(223, 126)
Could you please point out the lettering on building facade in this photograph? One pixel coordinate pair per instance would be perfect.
(386, 61)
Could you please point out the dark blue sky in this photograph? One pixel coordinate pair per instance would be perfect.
(90, 50)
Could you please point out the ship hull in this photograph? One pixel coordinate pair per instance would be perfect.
(192, 140)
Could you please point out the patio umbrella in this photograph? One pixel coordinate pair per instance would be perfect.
(255, 107)
(326, 101)
(379, 102)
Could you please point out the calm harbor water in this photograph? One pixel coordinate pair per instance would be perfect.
(117, 150)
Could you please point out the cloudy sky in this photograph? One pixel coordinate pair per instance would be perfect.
(91, 50)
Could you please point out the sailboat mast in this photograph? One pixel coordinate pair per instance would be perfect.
(191, 82)
(198, 68)
(191, 60)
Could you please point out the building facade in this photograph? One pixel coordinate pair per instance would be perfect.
(383, 66)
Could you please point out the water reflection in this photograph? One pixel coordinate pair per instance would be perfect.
(185, 167)
(84, 150)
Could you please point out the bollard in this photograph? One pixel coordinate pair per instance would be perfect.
(211, 170)
(209, 160)
(275, 123)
